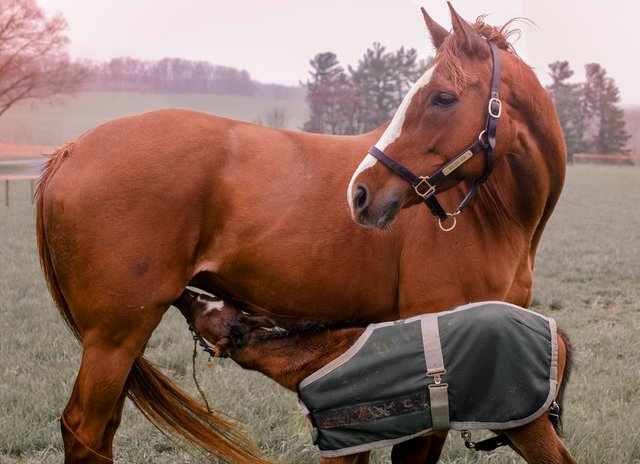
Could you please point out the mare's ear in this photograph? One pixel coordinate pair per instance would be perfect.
(436, 31)
(473, 42)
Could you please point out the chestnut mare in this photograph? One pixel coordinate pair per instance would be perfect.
(133, 211)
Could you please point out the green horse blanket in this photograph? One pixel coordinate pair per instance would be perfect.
(489, 365)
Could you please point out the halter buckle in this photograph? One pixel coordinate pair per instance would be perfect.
(431, 189)
(495, 102)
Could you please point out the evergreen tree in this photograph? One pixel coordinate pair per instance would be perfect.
(364, 98)
(567, 98)
(331, 96)
(382, 79)
(601, 97)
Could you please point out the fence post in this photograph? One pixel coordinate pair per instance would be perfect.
(7, 186)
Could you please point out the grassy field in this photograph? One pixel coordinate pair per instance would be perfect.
(69, 117)
(587, 277)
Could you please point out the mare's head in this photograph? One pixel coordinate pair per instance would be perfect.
(440, 117)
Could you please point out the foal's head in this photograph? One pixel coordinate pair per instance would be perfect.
(442, 114)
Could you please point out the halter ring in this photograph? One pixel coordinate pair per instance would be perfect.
(453, 226)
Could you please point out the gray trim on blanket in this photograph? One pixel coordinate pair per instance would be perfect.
(372, 445)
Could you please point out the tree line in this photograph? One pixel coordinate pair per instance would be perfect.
(356, 99)
(35, 64)
(591, 119)
(177, 75)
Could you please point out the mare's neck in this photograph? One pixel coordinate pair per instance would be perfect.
(527, 181)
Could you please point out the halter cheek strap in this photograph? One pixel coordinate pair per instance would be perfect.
(425, 186)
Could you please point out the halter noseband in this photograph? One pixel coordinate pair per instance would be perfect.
(425, 186)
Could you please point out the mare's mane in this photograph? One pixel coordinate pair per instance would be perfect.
(452, 52)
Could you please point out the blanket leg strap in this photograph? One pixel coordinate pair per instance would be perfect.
(485, 445)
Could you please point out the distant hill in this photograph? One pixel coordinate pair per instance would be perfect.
(45, 124)
(69, 117)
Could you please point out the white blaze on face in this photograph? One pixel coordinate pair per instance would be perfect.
(394, 129)
(213, 306)
(392, 132)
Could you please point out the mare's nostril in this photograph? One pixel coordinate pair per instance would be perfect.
(361, 198)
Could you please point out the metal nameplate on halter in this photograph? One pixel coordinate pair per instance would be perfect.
(424, 182)
(455, 164)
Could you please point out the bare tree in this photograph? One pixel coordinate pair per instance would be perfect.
(34, 63)
(276, 117)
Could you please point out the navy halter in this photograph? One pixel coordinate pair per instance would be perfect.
(425, 186)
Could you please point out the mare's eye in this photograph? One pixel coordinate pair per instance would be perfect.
(443, 99)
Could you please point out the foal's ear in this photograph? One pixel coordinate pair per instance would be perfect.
(436, 31)
(472, 41)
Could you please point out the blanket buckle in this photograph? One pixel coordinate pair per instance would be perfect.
(485, 445)
(466, 436)
(436, 374)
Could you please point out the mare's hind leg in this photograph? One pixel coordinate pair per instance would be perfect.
(110, 346)
(538, 442)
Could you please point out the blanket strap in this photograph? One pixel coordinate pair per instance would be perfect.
(438, 390)
(485, 445)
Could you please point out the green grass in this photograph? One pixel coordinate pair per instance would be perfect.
(587, 277)
(71, 116)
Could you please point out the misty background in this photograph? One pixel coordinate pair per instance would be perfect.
(274, 40)
(266, 48)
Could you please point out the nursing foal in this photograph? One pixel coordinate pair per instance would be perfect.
(290, 356)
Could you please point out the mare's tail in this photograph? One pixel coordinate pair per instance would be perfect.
(162, 402)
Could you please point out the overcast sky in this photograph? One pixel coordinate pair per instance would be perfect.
(275, 39)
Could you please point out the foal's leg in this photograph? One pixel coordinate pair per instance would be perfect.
(411, 451)
(538, 443)
(419, 450)
(360, 458)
